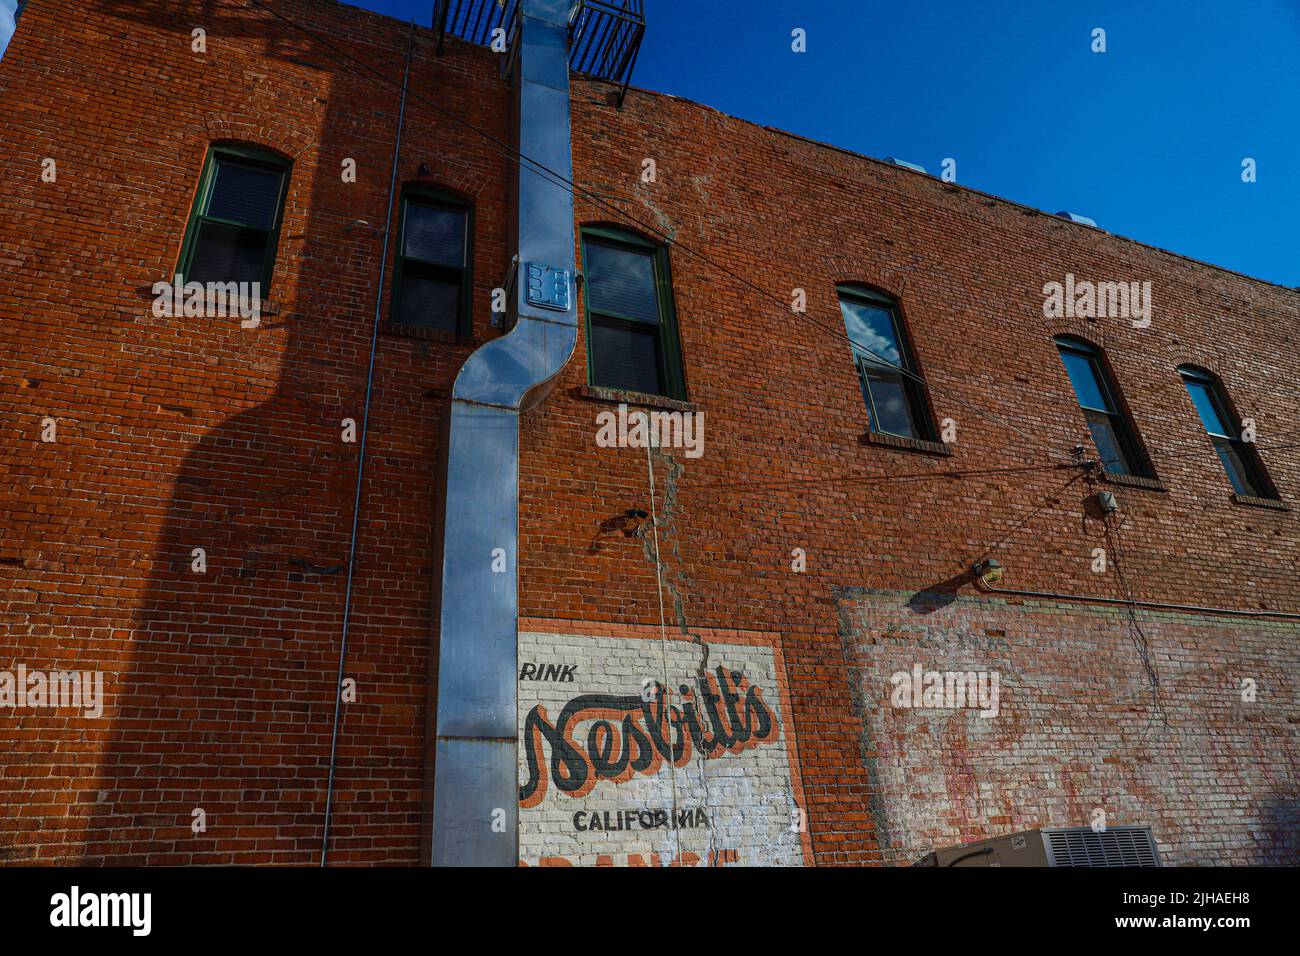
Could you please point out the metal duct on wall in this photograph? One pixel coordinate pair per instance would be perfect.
(604, 35)
(474, 812)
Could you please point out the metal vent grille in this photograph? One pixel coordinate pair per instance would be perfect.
(604, 35)
(1114, 846)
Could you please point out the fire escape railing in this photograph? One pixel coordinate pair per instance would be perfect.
(605, 39)
(473, 20)
(604, 35)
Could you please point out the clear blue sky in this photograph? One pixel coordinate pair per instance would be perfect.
(7, 8)
(1146, 138)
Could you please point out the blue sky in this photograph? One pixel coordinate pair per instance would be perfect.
(6, 22)
(1147, 138)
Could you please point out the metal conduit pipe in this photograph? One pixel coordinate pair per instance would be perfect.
(471, 759)
(361, 457)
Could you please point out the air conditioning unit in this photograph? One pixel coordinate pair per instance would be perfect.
(1057, 846)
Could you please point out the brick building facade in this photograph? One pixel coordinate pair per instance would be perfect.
(791, 569)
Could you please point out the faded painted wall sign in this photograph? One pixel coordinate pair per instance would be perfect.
(1210, 772)
(638, 749)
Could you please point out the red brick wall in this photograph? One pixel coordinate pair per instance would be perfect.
(1079, 728)
(784, 468)
(182, 433)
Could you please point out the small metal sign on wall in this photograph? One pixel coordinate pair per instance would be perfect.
(548, 288)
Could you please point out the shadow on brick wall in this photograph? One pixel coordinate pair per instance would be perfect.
(220, 739)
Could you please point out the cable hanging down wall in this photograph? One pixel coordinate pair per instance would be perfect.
(575, 189)
(361, 459)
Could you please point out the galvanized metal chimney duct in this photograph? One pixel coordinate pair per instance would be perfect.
(475, 786)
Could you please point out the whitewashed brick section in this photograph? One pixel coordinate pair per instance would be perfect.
(742, 803)
(1077, 731)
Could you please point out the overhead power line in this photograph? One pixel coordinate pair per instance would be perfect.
(595, 199)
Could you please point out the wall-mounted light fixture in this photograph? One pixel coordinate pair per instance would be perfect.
(989, 570)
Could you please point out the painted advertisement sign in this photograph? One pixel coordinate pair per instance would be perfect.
(639, 748)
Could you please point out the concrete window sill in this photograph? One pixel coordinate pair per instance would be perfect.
(429, 335)
(265, 306)
(1135, 481)
(907, 444)
(618, 396)
(1250, 501)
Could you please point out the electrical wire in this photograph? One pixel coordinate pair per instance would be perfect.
(663, 639)
(597, 199)
(361, 465)
(1206, 444)
(858, 477)
(1049, 500)
(574, 189)
(1140, 639)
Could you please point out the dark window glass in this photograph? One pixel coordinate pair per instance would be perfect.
(1214, 421)
(248, 195)
(631, 334)
(427, 300)
(892, 396)
(1240, 462)
(227, 254)
(1237, 470)
(625, 355)
(236, 215)
(431, 287)
(622, 282)
(885, 394)
(435, 234)
(1110, 448)
(1116, 444)
(1086, 380)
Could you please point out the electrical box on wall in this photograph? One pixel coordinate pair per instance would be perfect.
(1058, 846)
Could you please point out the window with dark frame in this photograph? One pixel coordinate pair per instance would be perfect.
(1240, 461)
(886, 370)
(632, 342)
(1111, 432)
(234, 223)
(432, 281)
